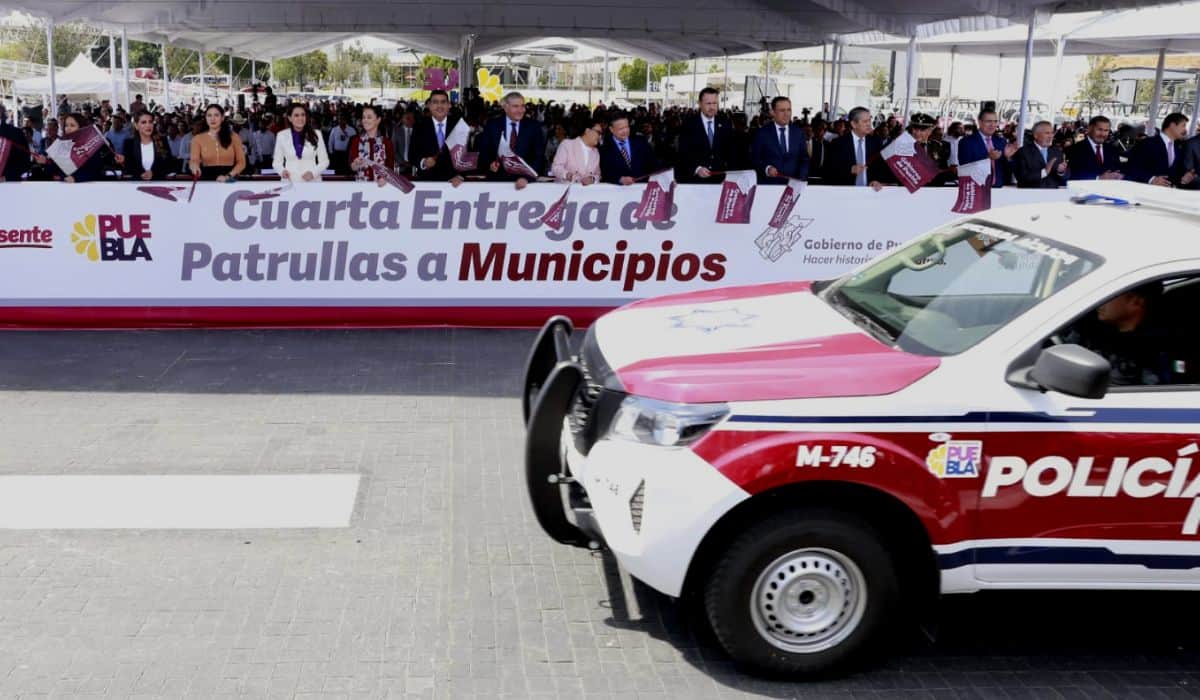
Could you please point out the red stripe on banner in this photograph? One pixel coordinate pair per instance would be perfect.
(122, 317)
(26, 245)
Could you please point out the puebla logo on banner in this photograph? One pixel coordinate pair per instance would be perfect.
(112, 237)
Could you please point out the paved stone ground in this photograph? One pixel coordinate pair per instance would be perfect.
(444, 586)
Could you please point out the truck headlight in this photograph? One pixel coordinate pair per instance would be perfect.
(663, 423)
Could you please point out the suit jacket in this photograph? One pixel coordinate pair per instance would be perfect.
(18, 156)
(574, 161)
(398, 142)
(696, 152)
(531, 146)
(840, 156)
(765, 150)
(974, 148)
(133, 168)
(312, 159)
(1085, 165)
(1149, 160)
(1191, 159)
(424, 145)
(1028, 165)
(642, 160)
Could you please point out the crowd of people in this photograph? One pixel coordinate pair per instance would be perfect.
(575, 143)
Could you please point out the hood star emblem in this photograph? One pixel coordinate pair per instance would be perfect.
(707, 321)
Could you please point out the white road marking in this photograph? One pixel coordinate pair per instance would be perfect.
(177, 502)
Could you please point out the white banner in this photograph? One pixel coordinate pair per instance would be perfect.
(479, 245)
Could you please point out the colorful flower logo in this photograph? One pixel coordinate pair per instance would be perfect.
(84, 238)
(489, 85)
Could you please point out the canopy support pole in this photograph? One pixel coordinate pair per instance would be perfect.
(837, 79)
(767, 72)
(125, 63)
(824, 58)
(1059, 47)
(647, 86)
(50, 63)
(695, 69)
(725, 83)
(466, 63)
(1152, 117)
(1195, 109)
(202, 77)
(950, 82)
(166, 79)
(666, 84)
(232, 101)
(112, 68)
(910, 76)
(1023, 115)
(271, 69)
(892, 78)
(253, 71)
(606, 77)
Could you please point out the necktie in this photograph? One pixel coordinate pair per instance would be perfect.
(783, 139)
(512, 136)
(1099, 154)
(441, 135)
(624, 145)
(710, 132)
(860, 157)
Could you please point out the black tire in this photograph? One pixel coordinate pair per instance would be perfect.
(730, 599)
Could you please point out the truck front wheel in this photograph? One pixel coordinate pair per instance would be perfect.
(807, 592)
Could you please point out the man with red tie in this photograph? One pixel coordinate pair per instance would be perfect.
(1158, 159)
(1094, 158)
(525, 139)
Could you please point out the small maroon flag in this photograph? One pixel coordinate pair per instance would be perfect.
(71, 151)
(161, 191)
(265, 194)
(737, 197)
(912, 166)
(787, 202)
(556, 212)
(974, 187)
(658, 198)
(192, 192)
(457, 143)
(516, 165)
(393, 178)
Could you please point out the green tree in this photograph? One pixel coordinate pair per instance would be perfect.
(776, 63)
(299, 70)
(881, 83)
(633, 74)
(342, 71)
(382, 71)
(659, 70)
(1095, 85)
(431, 61)
(29, 43)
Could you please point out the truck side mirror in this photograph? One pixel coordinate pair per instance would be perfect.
(1073, 370)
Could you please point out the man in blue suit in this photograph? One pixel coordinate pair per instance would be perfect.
(779, 150)
(1158, 159)
(986, 143)
(524, 136)
(625, 157)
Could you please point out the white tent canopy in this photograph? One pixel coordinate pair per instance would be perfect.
(82, 77)
(1175, 28)
(668, 28)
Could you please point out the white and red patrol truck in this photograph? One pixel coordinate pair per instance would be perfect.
(814, 459)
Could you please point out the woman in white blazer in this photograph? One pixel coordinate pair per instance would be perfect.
(300, 151)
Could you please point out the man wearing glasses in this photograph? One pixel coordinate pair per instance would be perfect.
(986, 143)
(578, 159)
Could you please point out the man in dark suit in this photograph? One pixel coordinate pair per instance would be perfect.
(625, 157)
(704, 143)
(18, 155)
(1094, 158)
(1158, 159)
(779, 150)
(986, 143)
(852, 159)
(523, 135)
(428, 151)
(1191, 161)
(1040, 164)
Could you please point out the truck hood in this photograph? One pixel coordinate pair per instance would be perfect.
(753, 343)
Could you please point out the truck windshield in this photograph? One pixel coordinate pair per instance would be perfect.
(948, 290)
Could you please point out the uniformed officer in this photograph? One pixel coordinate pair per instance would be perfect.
(1128, 331)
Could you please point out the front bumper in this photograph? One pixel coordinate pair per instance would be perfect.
(650, 505)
